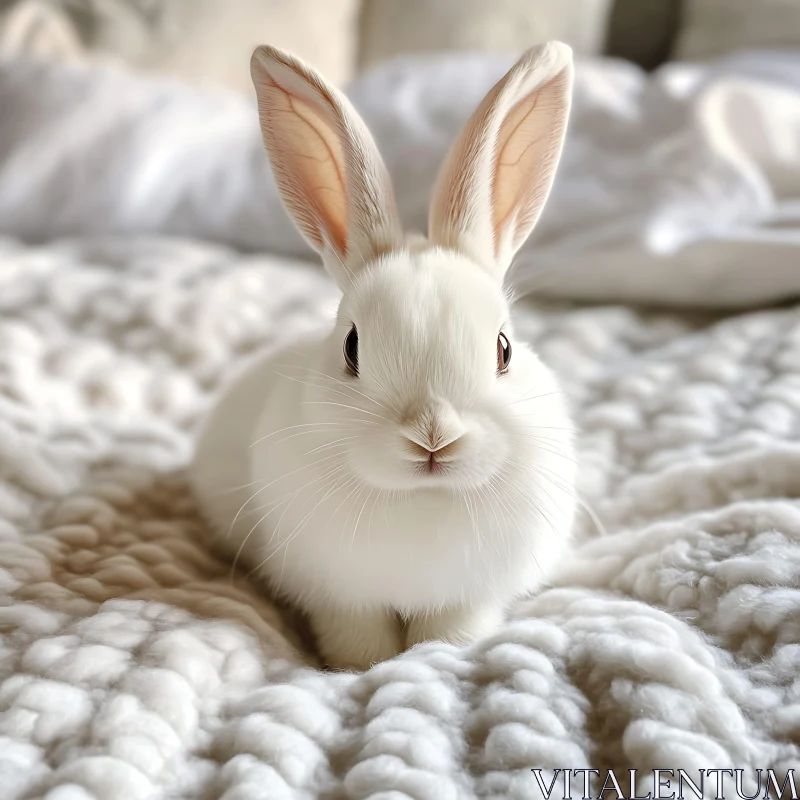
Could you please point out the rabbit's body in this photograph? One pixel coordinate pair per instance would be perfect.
(402, 469)
(279, 476)
(414, 551)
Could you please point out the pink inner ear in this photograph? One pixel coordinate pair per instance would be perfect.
(523, 171)
(307, 161)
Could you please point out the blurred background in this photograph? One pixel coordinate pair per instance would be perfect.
(682, 157)
(209, 41)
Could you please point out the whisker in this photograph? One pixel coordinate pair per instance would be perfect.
(526, 398)
(522, 533)
(383, 389)
(332, 444)
(288, 540)
(304, 433)
(357, 487)
(277, 501)
(343, 405)
(348, 386)
(232, 489)
(565, 487)
(358, 518)
(558, 482)
(546, 427)
(312, 385)
(551, 451)
(275, 505)
(288, 428)
(300, 527)
(279, 478)
(378, 493)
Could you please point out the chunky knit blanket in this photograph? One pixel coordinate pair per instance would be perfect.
(133, 664)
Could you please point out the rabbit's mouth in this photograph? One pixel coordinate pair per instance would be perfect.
(433, 459)
(433, 466)
(452, 458)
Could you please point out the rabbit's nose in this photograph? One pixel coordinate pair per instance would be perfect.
(434, 427)
(424, 449)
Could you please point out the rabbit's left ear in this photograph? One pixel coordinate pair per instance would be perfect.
(498, 174)
(326, 165)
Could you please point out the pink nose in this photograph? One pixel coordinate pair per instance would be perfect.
(433, 425)
(436, 451)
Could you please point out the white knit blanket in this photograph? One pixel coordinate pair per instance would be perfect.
(133, 666)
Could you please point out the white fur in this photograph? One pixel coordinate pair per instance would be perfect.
(312, 475)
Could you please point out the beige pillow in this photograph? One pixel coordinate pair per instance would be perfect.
(210, 41)
(392, 27)
(716, 27)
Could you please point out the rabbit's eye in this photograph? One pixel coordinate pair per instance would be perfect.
(351, 350)
(503, 354)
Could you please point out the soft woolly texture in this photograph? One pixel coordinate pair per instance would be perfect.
(132, 667)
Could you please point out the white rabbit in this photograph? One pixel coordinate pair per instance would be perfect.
(409, 475)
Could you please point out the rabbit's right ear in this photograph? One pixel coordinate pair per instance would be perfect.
(326, 165)
(498, 174)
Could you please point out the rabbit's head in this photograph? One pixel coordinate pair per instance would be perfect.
(422, 369)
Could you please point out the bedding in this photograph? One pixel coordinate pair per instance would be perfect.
(134, 665)
(143, 257)
(669, 188)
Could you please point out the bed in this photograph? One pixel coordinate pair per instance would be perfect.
(662, 285)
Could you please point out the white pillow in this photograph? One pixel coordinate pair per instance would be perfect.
(718, 27)
(90, 149)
